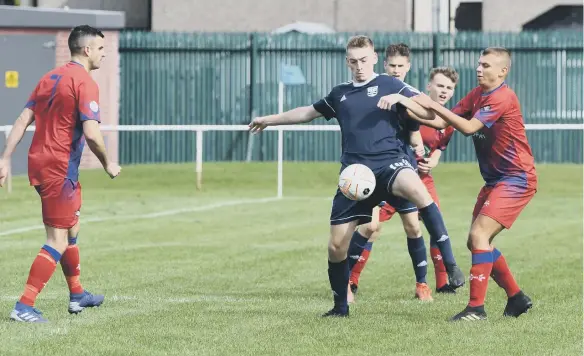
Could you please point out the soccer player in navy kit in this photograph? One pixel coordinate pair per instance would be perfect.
(372, 130)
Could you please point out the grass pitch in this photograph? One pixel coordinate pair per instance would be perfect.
(232, 271)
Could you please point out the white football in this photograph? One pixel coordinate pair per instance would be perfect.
(357, 182)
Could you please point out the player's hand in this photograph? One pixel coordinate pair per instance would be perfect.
(426, 165)
(419, 151)
(3, 171)
(424, 100)
(386, 102)
(113, 170)
(257, 125)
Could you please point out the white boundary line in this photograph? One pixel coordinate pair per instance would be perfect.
(165, 213)
(197, 298)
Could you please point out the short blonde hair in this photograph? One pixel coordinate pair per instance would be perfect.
(499, 51)
(360, 41)
(448, 72)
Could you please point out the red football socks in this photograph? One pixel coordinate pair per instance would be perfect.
(482, 264)
(42, 269)
(502, 274)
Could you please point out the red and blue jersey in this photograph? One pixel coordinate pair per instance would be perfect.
(435, 139)
(63, 99)
(501, 146)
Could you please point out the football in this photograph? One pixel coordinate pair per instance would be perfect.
(357, 182)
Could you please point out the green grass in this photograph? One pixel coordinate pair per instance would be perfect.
(251, 278)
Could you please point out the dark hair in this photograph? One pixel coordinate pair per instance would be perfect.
(78, 34)
(400, 49)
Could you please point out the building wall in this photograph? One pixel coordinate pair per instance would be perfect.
(267, 15)
(342, 15)
(137, 11)
(505, 15)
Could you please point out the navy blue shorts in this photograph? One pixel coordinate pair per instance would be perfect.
(345, 210)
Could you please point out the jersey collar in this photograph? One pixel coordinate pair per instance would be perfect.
(375, 75)
(494, 90)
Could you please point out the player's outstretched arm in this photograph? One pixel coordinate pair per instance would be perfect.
(96, 144)
(414, 107)
(386, 102)
(16, 134)
(467, 127)
(299, 115)
(436, 122)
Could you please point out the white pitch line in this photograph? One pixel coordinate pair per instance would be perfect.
(197, 298)
(159, 214)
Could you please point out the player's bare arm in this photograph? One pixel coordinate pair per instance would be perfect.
(18, 129)
(299, 115)
(95, 142)
(467, 127)
(437, 122)
(375, 218)
(386, 102)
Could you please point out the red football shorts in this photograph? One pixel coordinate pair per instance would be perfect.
(503, 202)
(61, 203)
(386, 212)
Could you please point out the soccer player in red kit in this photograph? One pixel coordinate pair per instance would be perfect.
(492, 115)
(65, 109)
(441, 85)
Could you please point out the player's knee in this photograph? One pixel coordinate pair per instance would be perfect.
(57, 239)
(412, 229)
(421, 197)
(60, 245)
(337, 247)
(411, 224)
(374, 236)
(477, 239)
(368, 231)
(417, 194)
(74, 231)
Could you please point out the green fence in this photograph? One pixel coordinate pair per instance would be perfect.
(183, 78)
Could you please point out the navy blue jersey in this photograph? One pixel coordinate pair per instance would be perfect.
(370, 136)
(411, 125)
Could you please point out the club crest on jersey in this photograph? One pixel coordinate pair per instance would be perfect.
(486, 108)
(93, 106)
(372, 91)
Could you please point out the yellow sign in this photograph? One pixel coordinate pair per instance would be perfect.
(11, 79)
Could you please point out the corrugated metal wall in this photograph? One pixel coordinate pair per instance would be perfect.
(227, 78)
